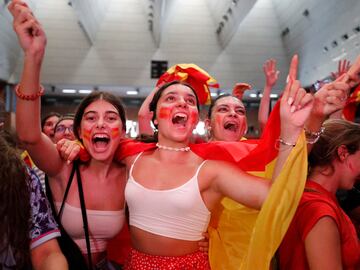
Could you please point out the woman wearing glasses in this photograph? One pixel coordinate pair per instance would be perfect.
(64, 128)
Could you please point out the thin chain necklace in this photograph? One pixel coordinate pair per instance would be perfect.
(181, 149)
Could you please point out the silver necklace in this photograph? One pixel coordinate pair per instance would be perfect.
(181, 149)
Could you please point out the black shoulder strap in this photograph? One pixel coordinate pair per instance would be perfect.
(51, 198)
(83, 212)
(67, 191)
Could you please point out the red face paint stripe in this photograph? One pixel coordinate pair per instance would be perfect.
(193, 117)
(115, 132)
(86, 134)
(164, 113)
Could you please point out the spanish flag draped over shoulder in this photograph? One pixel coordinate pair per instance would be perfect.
(244, 238)
(198, 78)
(240, 237)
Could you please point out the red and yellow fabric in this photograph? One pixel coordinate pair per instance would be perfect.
(198, 78)
(243, 238)
(351, 105)
(27, 159)
(247, 239)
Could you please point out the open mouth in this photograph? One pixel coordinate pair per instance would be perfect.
(100, 140)
(180, 119)
(231, 126)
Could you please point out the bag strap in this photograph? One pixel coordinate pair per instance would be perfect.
(84, 216)
(51, 197)
(67, 191)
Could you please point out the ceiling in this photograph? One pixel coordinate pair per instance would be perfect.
(109, 44)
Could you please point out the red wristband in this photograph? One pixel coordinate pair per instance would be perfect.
(31, 97)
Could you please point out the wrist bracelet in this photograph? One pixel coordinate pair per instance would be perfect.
(281, 141)
(31, 97)
(313, 137)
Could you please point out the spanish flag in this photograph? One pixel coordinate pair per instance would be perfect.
(351, 105)
(198, 78)
(27, 159)
(240, 237)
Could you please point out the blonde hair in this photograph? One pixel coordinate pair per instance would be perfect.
(337, 133)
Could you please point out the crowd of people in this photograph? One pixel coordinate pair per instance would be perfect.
(215, 202)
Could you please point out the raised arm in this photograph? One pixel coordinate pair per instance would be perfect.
(271, 75)
(343, 67)
(354, 73)
(32, 40)
(329, 101)
(145, 116)
(239, 90)
(295, 108)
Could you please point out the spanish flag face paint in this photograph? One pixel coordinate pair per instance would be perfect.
(101, 130)
(115, 133)
(177, 113)
(164, 113)
(86, 135)
(228, 119)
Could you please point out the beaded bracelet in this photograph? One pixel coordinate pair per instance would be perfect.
(281, 141)
(313, 137)
(31, 97)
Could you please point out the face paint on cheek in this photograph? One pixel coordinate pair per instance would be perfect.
(86, 134)
(194, 117)
(164, 113)
(218, 120)
(115, 133)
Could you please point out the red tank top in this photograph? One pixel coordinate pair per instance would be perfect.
(316, 202)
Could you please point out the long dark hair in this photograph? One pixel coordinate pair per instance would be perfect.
(14, 205)
(94, 96)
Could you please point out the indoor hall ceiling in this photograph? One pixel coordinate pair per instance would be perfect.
(322, 32)
(109, 44)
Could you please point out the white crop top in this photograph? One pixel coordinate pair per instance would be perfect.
(103, 226)
(178, 213)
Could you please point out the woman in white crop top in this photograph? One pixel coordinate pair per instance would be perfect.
(158, 176)
(99, 123)
(171, 190)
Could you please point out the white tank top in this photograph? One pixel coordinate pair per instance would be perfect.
(103, 226)
(178, 213)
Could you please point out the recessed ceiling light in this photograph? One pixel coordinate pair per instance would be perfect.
(132, 92)
(85, 91)
(69, 91)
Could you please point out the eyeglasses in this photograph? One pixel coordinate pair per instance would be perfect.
(62, 128)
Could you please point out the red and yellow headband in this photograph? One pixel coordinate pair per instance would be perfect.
(198, 78)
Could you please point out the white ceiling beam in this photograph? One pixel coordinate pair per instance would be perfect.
(155, 11)
(228, 16)
(90, 14)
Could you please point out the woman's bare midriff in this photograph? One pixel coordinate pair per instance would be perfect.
(154, 244)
